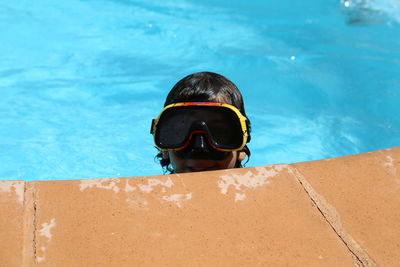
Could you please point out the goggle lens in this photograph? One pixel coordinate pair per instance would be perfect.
(221, 125)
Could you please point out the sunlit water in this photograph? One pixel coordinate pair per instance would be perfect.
(80, 81)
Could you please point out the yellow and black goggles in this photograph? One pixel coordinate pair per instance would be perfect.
(224, 126)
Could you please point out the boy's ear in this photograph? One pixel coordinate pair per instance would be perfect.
(165, 155)
(241, 155)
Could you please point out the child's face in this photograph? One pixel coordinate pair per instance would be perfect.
(184, 164)
(195, 165)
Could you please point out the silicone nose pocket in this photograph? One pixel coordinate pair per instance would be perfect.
(200, 149)
(199, 144)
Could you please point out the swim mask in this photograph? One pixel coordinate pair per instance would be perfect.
(200, 128)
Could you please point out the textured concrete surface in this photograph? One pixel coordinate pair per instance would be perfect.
(361, 196)
(334, 212)
(11, 222)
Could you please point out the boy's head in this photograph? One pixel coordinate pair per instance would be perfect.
(203, 87)
(201, 150)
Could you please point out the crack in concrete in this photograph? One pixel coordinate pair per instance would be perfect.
(34, 227)
(333, 219)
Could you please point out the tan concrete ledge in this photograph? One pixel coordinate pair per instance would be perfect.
(334, 212)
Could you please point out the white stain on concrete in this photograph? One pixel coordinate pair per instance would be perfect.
(390, 165)
(16, 186)
(239, 197)
(46, 232)
(152, 183)
(389, 162)
(249, 179)
(108, 183)
(137, 203)
(46, 229)
(178, 198)
(128, 187)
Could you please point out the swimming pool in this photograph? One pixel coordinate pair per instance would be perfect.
(80, 81)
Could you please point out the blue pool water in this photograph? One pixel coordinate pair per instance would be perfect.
(80, 81)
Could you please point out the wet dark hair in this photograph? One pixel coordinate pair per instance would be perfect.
(203, 87)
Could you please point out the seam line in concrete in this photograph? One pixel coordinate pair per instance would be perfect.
(29, 221)
(333, 219)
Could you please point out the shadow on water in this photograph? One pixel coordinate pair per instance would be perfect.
(369, 12)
